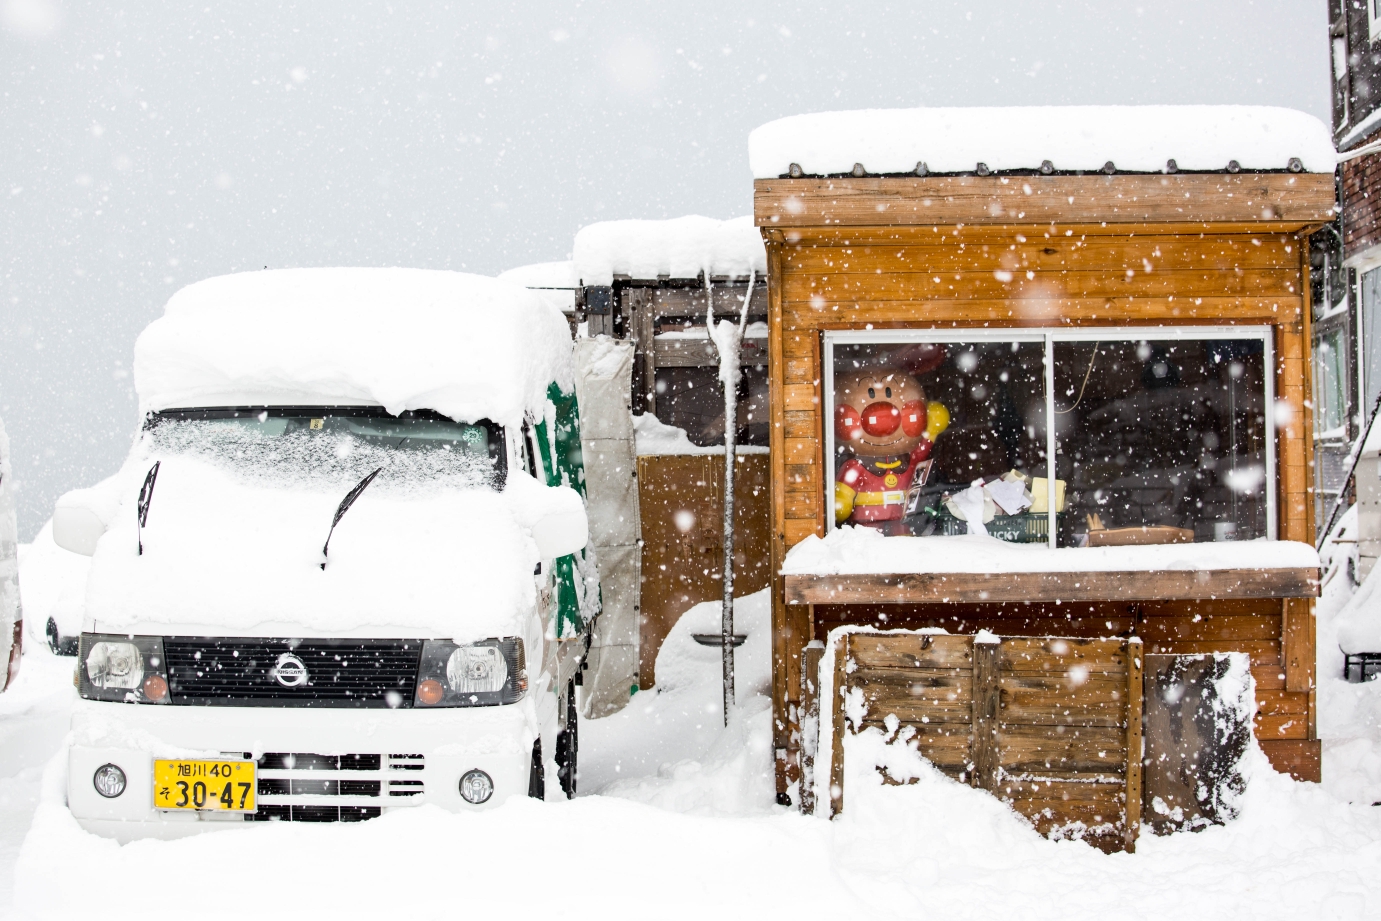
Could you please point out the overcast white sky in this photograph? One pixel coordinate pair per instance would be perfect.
(146, 145)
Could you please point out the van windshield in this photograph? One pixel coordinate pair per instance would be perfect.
(335, 445)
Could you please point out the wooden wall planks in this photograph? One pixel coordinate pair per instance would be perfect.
(1305, 198)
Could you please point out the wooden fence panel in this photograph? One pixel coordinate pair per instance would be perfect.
(1050, 725)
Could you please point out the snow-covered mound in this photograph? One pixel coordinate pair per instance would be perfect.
(952, 140)
(682, 247)
(466, 346)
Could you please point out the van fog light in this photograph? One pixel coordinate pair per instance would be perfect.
(430, 692)
(155, 688)
(475, 787)
(109, 781)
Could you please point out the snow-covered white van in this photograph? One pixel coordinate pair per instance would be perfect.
(342, 570)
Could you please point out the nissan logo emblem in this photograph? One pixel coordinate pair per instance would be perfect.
(291, 672)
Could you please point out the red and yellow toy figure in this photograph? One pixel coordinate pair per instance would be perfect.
(883, 420)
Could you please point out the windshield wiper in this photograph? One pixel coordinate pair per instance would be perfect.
(344, 507)
(145, 500)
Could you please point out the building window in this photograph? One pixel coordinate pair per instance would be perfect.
(1374, 19)
(1330, 386)
(1158, 436)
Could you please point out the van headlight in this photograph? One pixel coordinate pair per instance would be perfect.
(482, 674)
(123, 668)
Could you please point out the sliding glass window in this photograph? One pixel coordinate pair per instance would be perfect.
(1158, 436)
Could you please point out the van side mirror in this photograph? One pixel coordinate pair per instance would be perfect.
(560, 533)
(76, 526)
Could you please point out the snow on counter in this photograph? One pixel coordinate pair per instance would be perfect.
(682, 247)
(859, 550)
(466, 346)
(952, 140)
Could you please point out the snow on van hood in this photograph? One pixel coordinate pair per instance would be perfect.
(227, 555)
(466, 346)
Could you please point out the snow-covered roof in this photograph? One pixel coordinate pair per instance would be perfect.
(466, 346)
(682, 247)
(956, 140)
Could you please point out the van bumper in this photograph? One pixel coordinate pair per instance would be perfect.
(450, 742)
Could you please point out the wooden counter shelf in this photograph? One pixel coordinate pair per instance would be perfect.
(1163, 585)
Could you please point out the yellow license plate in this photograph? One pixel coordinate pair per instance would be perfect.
(222, 786)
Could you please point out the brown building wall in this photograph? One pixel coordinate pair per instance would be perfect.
(1146, 270)
(1361, 193)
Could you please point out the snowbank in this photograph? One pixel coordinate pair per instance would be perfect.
(863, 550)
(53, 582)
(466, 346)
(682, 247)
(952, 140)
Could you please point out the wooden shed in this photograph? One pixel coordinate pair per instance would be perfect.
(1097, 324)
(648, 283)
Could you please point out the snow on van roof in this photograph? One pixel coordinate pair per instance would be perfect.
(542, 275)
(553, 282)
(955, 140)
(466, 346)
(682, 247)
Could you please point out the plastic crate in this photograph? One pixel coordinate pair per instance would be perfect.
(1016, 529)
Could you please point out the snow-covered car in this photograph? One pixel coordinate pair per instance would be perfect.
(11, 616)
(342, 570)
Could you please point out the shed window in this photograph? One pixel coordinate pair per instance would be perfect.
(1159, 436)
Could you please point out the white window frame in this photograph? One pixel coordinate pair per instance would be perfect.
(1050, 336)
(1373, 20)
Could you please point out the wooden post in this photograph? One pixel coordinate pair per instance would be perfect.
(809, 722)
(841, 660)
(1135, 692)
(987, 699)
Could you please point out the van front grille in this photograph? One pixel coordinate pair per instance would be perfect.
(292, 786)
(246, 672)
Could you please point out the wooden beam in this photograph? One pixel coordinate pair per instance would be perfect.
(1135, 695)
(1291, 198)
(828, 235)
(986, 704)
(1165, 585)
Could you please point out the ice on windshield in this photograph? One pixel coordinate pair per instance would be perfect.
(336, 449)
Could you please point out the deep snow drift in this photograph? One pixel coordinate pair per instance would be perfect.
(676, 820)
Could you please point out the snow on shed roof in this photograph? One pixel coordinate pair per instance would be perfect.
(956, 140)
(682, 247)
(466, 346)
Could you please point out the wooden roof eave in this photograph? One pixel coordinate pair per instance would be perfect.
(817, 209)
(1086, 586)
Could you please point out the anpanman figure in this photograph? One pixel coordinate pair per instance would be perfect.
(883, 420)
